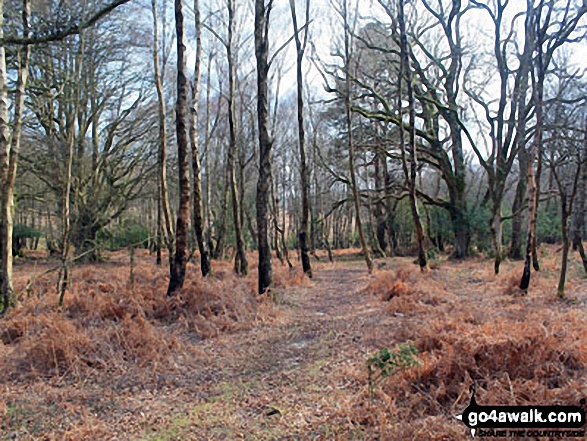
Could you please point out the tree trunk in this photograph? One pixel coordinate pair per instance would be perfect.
(262, 14)
(63, 278)
(301, 47)
(380, 217)
(83, 237)
(579, 216)
(535, 262)
(461, 230)
(350, 141)
(241, 265)
(208, 198)
(411, 177)
(221, 236)
(517, 207)
(183, 212)
(162, 160)
(159, 241)
(565, 255)
(532, 183)
(496, 233)
(9, 149)
(197, 205)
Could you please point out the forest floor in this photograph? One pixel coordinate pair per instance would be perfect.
(297, 369)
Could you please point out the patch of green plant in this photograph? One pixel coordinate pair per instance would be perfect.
(25, 232)
(384, 363)
(432, 254)
(126, 234)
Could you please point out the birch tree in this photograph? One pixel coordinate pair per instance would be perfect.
(9, 150)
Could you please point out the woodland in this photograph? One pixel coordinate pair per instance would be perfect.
(302, 219)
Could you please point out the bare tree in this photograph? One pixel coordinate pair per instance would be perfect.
(9, 150)
(349, 126)
(181, 124)
(411, 176)
(163, 194)
(569, 163)
(262, 15)
(553, 28)
(507, 132)
(241, 265)
(578, 225)
(300, 49)
(197, 205)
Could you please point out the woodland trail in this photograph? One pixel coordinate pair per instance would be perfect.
(282, 380)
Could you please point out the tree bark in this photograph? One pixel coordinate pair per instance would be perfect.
(517, 207)
(300, 49)
(579, 216)
(565, 255)
(532, 191)
(9, 150)
(221, 236)
(183, 214)
(197, 204)
(350, 141)
(411, 177)
(241, 265)
(262, 14)
(163, 193)
(63, 278)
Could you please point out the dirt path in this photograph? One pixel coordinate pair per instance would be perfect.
(285, 380)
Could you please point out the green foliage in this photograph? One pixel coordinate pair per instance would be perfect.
(25, 232)
(548, 224)
(479, 219)
(384, 363)
(432, 254)
(124, 235)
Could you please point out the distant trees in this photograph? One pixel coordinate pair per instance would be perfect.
(35, 31)
(553, 26)
(415, 147)
(96, 107)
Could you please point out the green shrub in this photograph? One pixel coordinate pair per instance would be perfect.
(384, 363)
(124, 235)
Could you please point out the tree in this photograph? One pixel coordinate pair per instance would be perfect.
(349, 125)
(241, 265)
(163, 193)
(197, 206)
(181, 126)
(565, 143)
(9, 150)
(507, 133)
(566, 171)
(82, 94)
(437, 71)
(262, 15)
(553, 28)
(303, 234)
(411, 176)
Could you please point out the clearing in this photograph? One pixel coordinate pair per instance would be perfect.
(298, 371)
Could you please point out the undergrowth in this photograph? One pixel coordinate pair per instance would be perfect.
(471, 327)
(107, 325)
